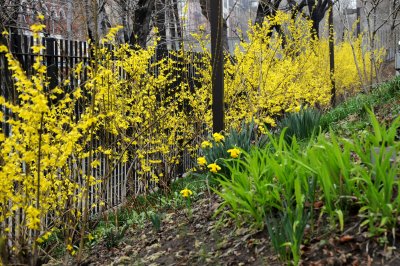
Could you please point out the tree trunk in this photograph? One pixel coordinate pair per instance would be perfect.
(205, 10)
(96, 19)
(91, 20)
(317, 14)
(141, 22)
(161, 24)
(176, 30)
(265, 9)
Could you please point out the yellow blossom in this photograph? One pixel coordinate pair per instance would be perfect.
(38, 49)
(38, 27)
(186, 192)
(218, 137)
(33, 217)
(206, 144)
(46, 235)
(214, 168)
(70, 247)
(135, 102)
(3, 49)
(201, 161)
(90, 237)
(234, 152)
(270, 121)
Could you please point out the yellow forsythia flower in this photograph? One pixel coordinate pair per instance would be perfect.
(218, 137)
(186, 192)
(38, 27)
(214, 167)
(40, 16)
(90, 237)
(33, 217)
(234, 152)
(3, 49)
(206, 144)
(37, 49)
(201, 161)
(270, 121)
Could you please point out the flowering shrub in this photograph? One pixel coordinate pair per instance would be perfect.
(35, 178)
(42, 173)
(271, 74)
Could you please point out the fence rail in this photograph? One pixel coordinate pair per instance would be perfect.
(388, 40)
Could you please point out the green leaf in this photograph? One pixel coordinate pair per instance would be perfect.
(341, 219)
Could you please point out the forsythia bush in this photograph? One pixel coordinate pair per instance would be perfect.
(272, 74)
(49, 160)
(36, 179)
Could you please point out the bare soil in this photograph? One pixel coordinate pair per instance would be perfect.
(201, 239)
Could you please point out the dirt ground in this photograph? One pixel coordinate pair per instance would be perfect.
(200, 239)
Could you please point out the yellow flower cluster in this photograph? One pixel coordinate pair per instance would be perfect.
(186, 193)
(218, 137)
(206, 144)
(43, 238)
(41, 160)
(214, 168)
(234, 152)
(201, 161)
(268, 78)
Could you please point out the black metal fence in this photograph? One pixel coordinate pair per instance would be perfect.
(61, 57)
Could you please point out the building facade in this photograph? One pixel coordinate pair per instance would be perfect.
(63, 18)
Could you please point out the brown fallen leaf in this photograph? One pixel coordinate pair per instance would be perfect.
(318, 263)
(346, 238)
(369, 262)
(355, 262)
(318, 204)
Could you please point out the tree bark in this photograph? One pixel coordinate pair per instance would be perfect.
(161, 24)
(205, 10)
(176, 30)
(316, 11)
(265, 9)
(141, 22)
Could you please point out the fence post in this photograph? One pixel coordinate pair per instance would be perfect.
(52, 67)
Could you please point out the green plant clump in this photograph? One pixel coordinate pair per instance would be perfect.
(283, 180)
(301, 125)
